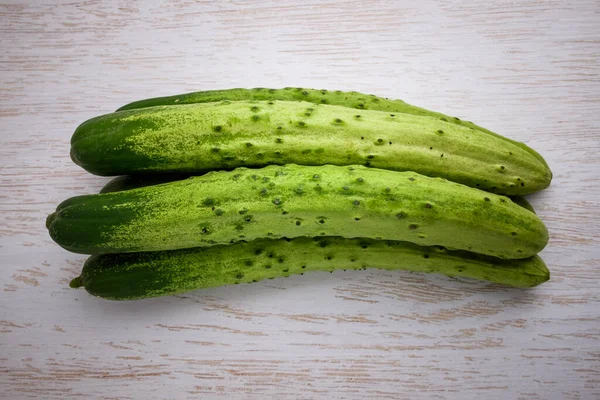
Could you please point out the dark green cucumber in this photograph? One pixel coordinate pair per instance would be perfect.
(522, 201)
(290, 201)
(128, 182)
(195, 138)
(152, 274)
(360, 101)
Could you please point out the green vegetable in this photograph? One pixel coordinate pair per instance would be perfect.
(360, 101)
(198, 137)
(522, 201)
(152, 274)
(128, 182)
(290, 201)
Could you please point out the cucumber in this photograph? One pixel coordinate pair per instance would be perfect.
(152, 274)
(360, 101)
(223, 207)
(128, 182)
(195, 138)
(522, 201)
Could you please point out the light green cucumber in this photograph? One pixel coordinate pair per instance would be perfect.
(152, 274)
(128, 182)
(290, 201)
(195, 138)
(360, 101)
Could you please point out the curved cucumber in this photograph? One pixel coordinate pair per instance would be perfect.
(153, 274)
(128, 182)
(194, 138)
(360, 101)
(290, 201)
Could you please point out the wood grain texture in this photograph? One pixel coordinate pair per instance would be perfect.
(529, 70)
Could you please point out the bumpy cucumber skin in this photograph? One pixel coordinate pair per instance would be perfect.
(194, 138)
(290, 201)
(360, 101)
(153, 274)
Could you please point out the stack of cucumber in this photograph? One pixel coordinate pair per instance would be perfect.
(236, 186)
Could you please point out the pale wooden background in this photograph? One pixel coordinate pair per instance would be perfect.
(528, 69)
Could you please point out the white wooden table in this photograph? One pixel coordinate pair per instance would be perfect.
(529, 70)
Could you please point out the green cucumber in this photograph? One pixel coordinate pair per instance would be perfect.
(522, 201)
(360, 101)
(152, 274)
(195, 138)
(290, 201)
(128, 182)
